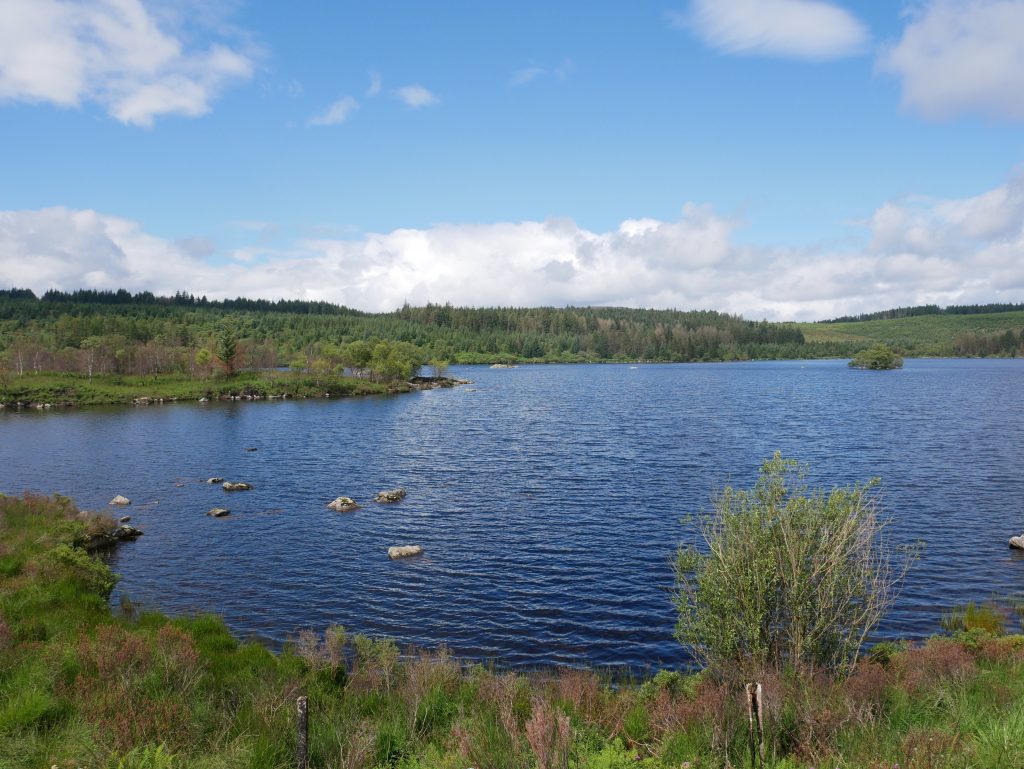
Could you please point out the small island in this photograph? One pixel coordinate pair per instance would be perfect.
(880, 357)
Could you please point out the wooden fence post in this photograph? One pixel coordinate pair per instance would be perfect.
(755, 718)
(302, 742)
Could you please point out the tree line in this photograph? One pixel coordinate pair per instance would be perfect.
(118, 332)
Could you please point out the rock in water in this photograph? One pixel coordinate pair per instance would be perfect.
(124, 519)
(119, 500)
(394, 495)
(219, 512)
(215, 480)
(404, 551)
(1017, 542)
(251, 448)
(344, 505)
(229, 486)
(126, 532)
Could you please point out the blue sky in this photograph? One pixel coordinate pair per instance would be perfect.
(776, 158)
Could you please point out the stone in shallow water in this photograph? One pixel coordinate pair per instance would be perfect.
(120, 500)
(215, 480)
(1017, 542)
(236, 486)
(392, 495)
(404, 551)
(218, 512)
(344, 505)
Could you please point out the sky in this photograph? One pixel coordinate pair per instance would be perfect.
(779, 159)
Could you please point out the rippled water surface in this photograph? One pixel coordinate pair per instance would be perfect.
(548, 499)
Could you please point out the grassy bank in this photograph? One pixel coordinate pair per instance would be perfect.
(80, 390)
(83, 687)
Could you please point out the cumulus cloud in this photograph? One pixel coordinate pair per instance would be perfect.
(338, 112)
(799, 29)
(915, 251)
(416, 96)
(113, 52)
(961, 56)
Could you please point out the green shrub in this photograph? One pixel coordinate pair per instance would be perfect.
(664, 680)
(147, 757)
(879, 357)
(787, 577)
(93, 573)
(883, 652)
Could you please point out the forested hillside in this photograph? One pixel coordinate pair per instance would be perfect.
(96, 333)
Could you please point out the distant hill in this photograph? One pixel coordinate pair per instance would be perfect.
(940, 334)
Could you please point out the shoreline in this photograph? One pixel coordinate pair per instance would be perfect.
(38, 392)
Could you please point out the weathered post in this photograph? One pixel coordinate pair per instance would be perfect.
(302, 742)
(755, 719)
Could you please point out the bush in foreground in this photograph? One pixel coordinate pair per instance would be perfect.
(786, 578)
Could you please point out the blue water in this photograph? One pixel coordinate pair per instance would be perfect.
(548, 499)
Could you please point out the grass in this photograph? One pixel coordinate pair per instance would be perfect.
(81, 686)
(922, 335)
(79, 390)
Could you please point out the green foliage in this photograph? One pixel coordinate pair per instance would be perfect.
(879, 357)
(788, 578)
(93, 573)
(226, 349)
(663, 681)
(147, 757)
(636, 727)
(614, 755)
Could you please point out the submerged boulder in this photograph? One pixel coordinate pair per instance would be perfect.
(218, 512)
(120, 500)
(239, 486)
(124, 531)
(124, 519)
(344, 505)
(404, 551)
(105, 539)
(1017, 542)
(215, 480)
(393, 495)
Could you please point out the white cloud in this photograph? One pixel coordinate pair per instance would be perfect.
(338, 112)
(526, 75)
(961, 56)
(376, 83)
(917, 251)
(799, 29)
(113, 52)
(416, 96)
(536, 72)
